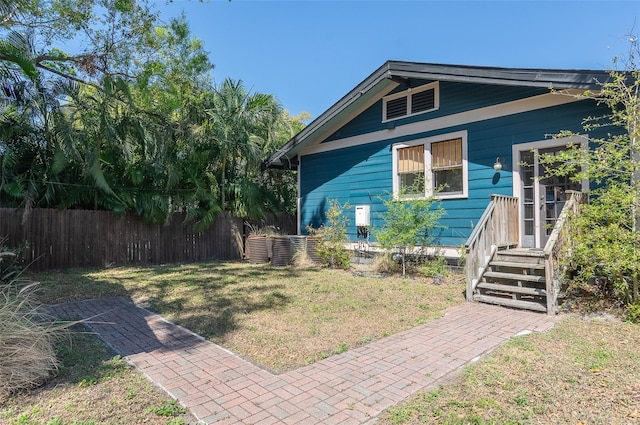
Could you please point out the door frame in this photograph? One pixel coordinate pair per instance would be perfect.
(582, 140)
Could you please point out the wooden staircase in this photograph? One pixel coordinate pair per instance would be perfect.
(514, 278)
(500, 272)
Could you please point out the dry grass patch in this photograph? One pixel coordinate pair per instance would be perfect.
(583, 371)
(279, 317)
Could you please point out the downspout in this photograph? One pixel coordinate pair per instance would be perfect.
(298, 216)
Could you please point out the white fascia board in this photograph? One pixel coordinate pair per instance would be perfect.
(467, 117)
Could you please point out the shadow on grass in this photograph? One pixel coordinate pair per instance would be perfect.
(85, 359)
(206, 298)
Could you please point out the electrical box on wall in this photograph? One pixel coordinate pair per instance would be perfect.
(363, 214)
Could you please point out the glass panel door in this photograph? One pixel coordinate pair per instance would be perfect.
(528, 199)
(553, 197)
(542, 198)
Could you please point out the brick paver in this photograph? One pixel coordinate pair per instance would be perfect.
(354, 387)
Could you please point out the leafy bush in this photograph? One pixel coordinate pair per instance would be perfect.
(606, 235)
(27, 339)
(435, 267)
(605, 245)
(633, 313)
(332, 237)
(408, 223)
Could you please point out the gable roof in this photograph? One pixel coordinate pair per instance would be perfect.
(392, 73)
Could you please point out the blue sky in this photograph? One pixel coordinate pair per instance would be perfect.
(311, 53)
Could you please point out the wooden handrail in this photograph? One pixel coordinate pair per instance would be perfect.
(558, 240)
(498, 227)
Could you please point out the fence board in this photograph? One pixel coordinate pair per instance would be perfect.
(60, 239)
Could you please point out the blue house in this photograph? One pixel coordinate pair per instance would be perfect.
(468, 130)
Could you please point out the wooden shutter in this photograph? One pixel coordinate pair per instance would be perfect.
(447, 154)
(411, 160)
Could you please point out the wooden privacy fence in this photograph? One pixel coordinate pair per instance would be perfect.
(60, 239)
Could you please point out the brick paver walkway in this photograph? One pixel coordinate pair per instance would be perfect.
(354, 387)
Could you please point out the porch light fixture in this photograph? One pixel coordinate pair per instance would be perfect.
(498, 165)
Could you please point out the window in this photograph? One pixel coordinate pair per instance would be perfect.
(411, 169)
(410, 102)
(447, 165)
(436, 164)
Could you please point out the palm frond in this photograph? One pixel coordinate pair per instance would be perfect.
(16, 48)
(99, 179)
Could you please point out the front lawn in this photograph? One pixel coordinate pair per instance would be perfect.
(278, 317)
(582, 371)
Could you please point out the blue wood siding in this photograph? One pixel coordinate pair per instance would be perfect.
(362, 174)
(454, 98)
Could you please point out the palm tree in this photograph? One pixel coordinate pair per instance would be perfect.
(241, 125)
(39, 153)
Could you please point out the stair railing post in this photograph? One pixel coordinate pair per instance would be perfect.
(494, 229)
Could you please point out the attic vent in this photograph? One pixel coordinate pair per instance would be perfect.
(423, 101)
(396, 108)
(410, 102)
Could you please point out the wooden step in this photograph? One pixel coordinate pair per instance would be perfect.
(516, 277)
(516, 265)
(521, 256)
(508, 302)
(522, 252)
(512, 289)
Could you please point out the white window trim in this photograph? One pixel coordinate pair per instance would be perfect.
(407, 93)
(582, 140)
(427, 142)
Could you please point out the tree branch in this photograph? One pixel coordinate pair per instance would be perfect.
(68, 76)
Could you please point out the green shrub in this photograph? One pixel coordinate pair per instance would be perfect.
(408, 222)
(633, 313)
(606, 234)
(332, 237)
(434, 267)
(604, 245)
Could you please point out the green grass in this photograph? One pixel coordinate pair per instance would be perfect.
(280, 317)
(582, 371)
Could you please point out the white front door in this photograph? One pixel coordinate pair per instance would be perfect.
(541, 199)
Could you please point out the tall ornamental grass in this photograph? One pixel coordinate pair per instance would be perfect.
(27, 337)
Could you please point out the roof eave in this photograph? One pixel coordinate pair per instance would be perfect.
(287, 154)
(286, 157)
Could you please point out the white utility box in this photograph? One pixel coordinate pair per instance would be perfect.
(363, 215)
